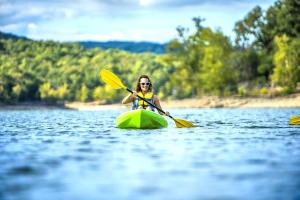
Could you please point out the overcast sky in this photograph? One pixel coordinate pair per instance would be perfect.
(130, 20)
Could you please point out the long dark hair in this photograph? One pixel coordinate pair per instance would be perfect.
(138, 85)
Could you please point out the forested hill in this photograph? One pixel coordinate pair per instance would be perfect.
(130, 46)
(51, 71)
(11, 36)
(136, 47)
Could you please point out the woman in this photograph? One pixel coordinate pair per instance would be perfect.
(143, 89)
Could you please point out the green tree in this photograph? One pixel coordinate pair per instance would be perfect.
(47, 93)
(84, 93)
(202, 62)
(287, 63)
(62, 92)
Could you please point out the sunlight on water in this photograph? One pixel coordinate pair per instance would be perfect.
(233, 154)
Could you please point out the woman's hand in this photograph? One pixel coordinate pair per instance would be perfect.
(134, 94)
(129, 98)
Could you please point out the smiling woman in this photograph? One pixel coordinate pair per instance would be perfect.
(143, 89)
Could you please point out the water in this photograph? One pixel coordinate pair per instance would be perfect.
(233, 154)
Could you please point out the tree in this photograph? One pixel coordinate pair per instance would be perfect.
(217, 74)
(287, 63)
(250, 28)
(261, 27)
(202, 62)
(84, 93)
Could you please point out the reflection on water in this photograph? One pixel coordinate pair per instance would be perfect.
(233, 154)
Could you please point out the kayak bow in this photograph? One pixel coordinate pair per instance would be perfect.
(141, 119)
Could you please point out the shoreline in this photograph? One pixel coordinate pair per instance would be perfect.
(30, 106)
(291, 101)
(236, 102)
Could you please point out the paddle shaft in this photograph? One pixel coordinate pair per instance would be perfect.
(149, 103)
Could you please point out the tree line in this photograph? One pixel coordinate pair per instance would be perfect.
(264, 59)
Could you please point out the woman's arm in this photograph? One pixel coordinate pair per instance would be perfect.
(157, 103)
(129, 98)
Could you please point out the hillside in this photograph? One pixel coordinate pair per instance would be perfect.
(50, 71)
(11, 36)
(135, 47)
(130, 46)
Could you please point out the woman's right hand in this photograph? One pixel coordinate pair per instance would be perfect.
(134, 94)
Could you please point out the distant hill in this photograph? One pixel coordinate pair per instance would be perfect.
(53, 72)
(11, 36)
(136, 47)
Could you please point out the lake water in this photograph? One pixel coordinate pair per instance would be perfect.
(233, 154)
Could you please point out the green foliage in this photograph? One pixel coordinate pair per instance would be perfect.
(263, 91)
(250, 27)
(287, 63)
(242, 91)
(202, 63)
(263, 26)
(51, 71)
(83, 94)
(274, 36)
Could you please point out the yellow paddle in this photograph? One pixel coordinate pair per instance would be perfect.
(113, 80)
(295, 120)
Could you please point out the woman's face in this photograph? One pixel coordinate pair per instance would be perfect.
(145, 84)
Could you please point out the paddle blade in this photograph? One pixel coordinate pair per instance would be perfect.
(295, 120)
(181, 123)
(111, 79)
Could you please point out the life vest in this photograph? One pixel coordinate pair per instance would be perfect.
(140, 102)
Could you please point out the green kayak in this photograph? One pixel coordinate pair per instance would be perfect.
(141, 119)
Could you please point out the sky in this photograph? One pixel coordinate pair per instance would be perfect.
(125, 20)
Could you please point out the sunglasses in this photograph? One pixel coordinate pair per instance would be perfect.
(145, 84)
